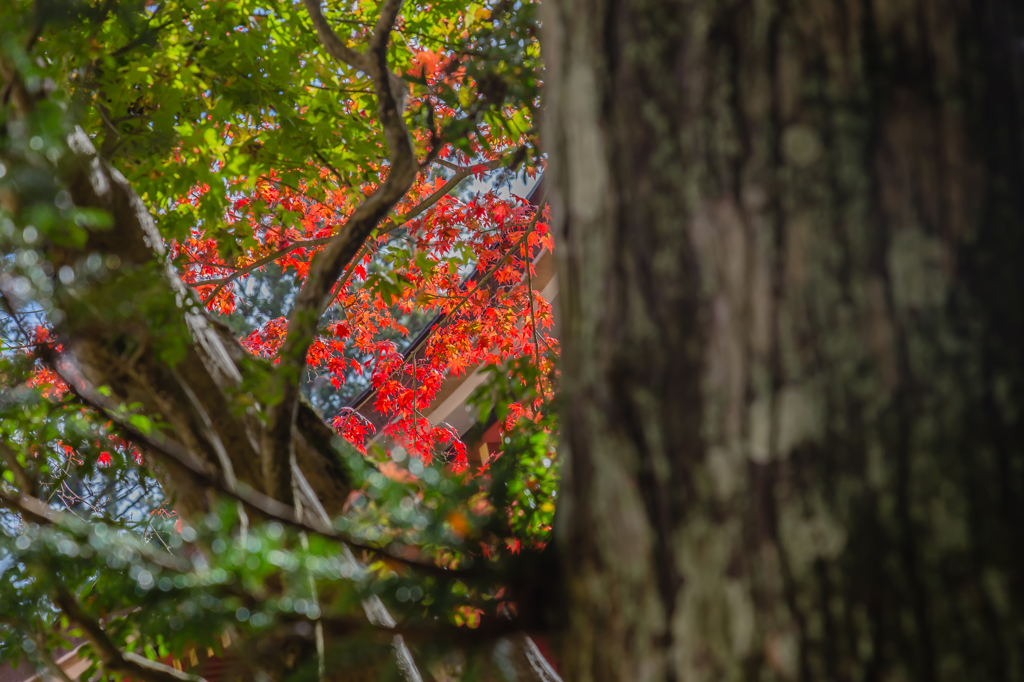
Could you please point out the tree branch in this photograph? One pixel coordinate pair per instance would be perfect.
(382, 33)
(446, 319)
(330, 40)
(256, 265)
(316, 292)
(113, 659)
(48, 661)
(453, 182)
(29, 506)
(337, 48)
(203, 474)
(44, 515)
(450, 317)
(210, 366)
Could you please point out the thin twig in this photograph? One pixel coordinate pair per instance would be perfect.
(386, 228)
(533, 323)
(447, 318)
(26, 345)
(334, 171)
(450, 317)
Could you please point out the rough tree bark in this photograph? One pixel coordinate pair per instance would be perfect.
(790, 242)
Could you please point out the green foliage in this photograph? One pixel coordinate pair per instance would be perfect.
(195, 102)
(525, 476)
(226, 574)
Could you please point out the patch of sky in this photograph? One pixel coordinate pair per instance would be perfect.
(517, 185)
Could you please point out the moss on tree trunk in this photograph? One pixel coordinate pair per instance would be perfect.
(791, 260)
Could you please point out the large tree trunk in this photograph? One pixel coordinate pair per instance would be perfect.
(791, 264)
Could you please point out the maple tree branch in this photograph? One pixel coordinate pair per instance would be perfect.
(277, 443)
(461, 174)
(450, 317)
(442, 191)
(382, 31)
(334, 45)
(446, 319)
(29, 506)
(51, 665)
(449, 164)
(337, 48)
(113, 659)
(256, 265)
(533, 323)
(220, 266)
(177, 455)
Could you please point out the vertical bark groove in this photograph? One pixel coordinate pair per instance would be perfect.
(789, 242)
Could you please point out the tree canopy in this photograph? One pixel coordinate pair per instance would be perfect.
(222, 223)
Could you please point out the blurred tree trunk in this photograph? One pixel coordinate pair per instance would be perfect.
(791, 243)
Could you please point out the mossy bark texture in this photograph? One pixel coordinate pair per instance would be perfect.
(791, 243)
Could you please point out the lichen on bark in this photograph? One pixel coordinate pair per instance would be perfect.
(789, 245)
